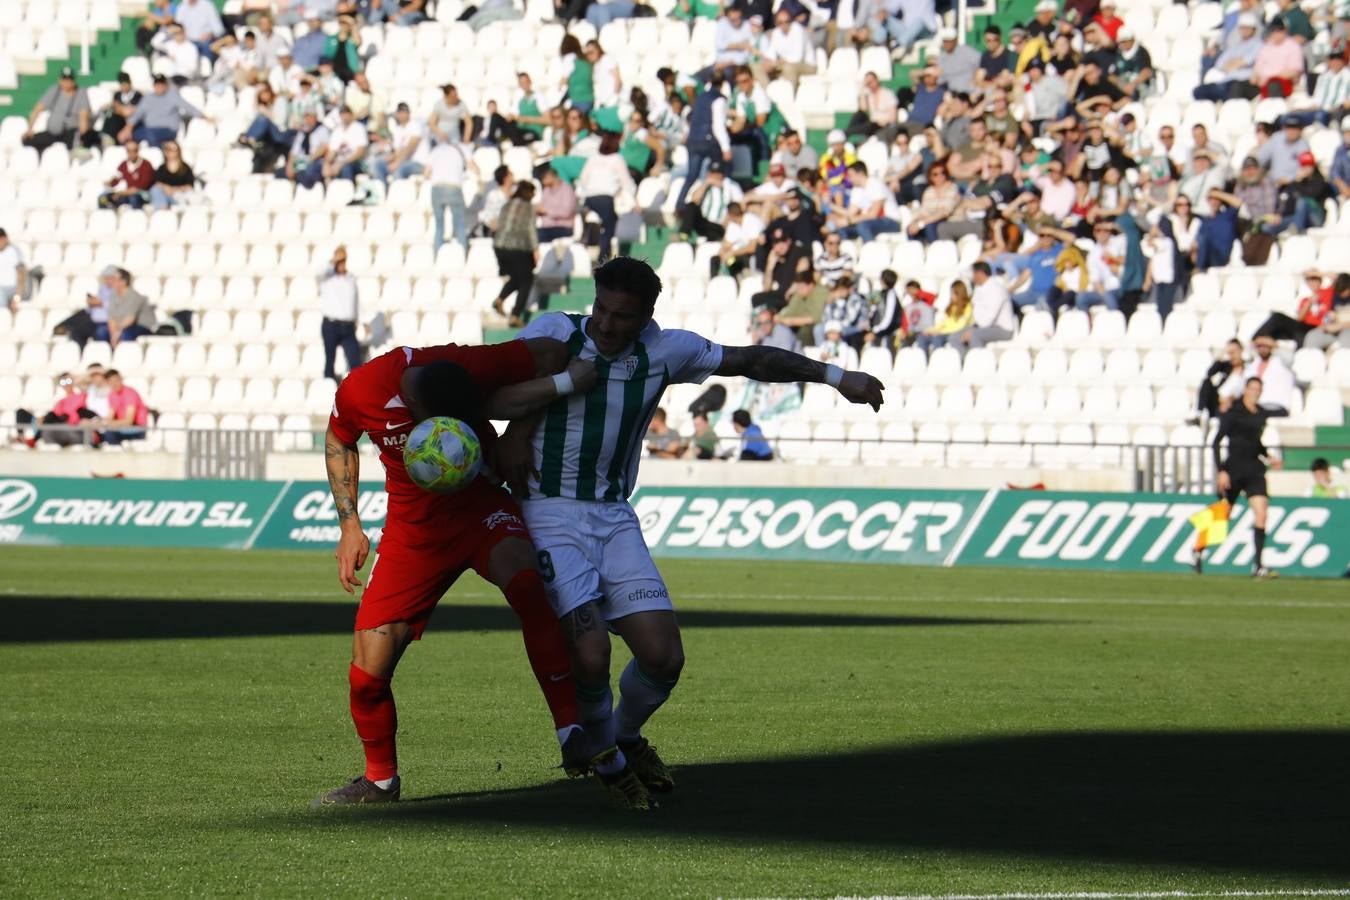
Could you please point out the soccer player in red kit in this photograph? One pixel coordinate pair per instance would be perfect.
(429, 540)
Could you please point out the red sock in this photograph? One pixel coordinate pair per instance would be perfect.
(376, 722)
(544, 645)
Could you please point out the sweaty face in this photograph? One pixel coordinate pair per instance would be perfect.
(616, 321)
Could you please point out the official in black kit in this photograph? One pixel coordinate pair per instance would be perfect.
(1243, 470)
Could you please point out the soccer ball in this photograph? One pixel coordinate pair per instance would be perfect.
(442, 455)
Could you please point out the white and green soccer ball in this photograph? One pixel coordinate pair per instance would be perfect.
(442, 455)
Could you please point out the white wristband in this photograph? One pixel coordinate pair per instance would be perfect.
(833, 375)
(562, 383)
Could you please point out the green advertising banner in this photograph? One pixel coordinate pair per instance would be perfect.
(1036, 529)
(1151, 533)
(83, 512)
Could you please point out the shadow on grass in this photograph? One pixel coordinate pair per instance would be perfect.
(38, 619)
(1258, 801)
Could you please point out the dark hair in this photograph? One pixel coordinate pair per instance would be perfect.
(631, 276)
(569, 44)
(660, 413)
(610, 142)
(889, 279)
(994, 30)
(500, 173)
(1255, 378)
(845, 282)
(982, 267)
(1341, 286)
(112, 373)
(123, 76)
(124, 275)
(734, 208)
(858, 167)
(640, 102)
(1320, 465)
(741, 417)
(524, 191)
(1235, 341)
(446, 389)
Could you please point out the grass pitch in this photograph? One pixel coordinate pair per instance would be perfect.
(839, 729)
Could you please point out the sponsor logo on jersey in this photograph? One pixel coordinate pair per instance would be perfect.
(394, 440)
(502, 517)
(15, 497)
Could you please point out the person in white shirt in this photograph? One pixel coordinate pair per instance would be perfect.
(13, 273)
(604, 177)
(406, 150)
(788, 52)
(732, 41)
(285, 76)
(236, 63)
(705, 208)
(871, 209)
(445, 168)
(339, 307)
(270, 44)
(493, 200)
(1160, 246)
(182, 56)
(201, 21)
(1103, 282)
(1277, 380)
(605, 78)
(346, 148)
(994, 319)
(740, 241)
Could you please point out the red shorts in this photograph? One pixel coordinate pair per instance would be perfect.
(412, 571)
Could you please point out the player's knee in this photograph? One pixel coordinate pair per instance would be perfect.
(665, 663)
(590, 661)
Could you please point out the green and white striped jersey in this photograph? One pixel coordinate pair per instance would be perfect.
(589, 444)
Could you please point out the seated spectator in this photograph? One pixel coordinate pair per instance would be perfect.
(160, 115)
(1340, 163)
(517, 247)
(940, 200)
(13, 274)
(409, 12)
(130, 313)
(754, 448)
(835, 261)
(664, 442)
(805, 307)
(308, 48)
(1104, 256)
(786, 53)
(136, 177)
(1259, 198)
(923, 101)
(998, 118)
(346, 148)
(366, 104)
(1097, 155)
(1056, 191)
(1277, 380)
(767, 199)
(832, 349)
(1335, 328)
(96, 390)
(1279, 65)
(769, 332)
(888, 321)
(905, 169)
(799, 222)
(343, 49)
(1217, 232)
(526, 124)
(1045, 99)
(918, 306)
(957, 120)
(329, 87)
(271, 45)
(793, 154)
(286, 76)
(992, 316)
(1324, 487)
(120, 108)
(877, 112)
(603, 177)
(61, 422)
(1301, 202)
(871, 209)
(69, 116)
(1280, 153)
(201, 24)
(957, 62)
(732, 40)
(997, 62)
(159, 15)
(405, 152)
(182, 58)
(174, 179)
(1209, 402)
(1132, 68)
(1313, 309)
(304, 164)
(644, 150)
(1107, 19)
(1034, 273)
(268, 135)
(1331, 96)
(1096, 96)
(740, 241)
(1207, 177)
(705, 438)
(834, 165)
(785, 259)
(850, 310)
(557, 207)
(128, 415)
(705, 208)
(953, 320)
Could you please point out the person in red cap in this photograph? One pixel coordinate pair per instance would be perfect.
(1301, 202)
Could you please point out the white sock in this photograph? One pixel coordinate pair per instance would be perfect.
(385, 784)
(614, 765)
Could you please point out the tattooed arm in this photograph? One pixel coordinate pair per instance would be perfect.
(344, 468)
(773, 364)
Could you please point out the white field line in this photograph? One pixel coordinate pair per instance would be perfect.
(1111, 895)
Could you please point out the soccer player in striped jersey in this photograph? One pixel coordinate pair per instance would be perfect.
(574, 466)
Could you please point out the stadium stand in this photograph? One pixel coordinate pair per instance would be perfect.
(1107, 302)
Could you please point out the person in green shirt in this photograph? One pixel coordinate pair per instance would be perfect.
(643, 151)
(1323, 486)
(579, 85)
(529, 121)
(806, 301)
(705, 438)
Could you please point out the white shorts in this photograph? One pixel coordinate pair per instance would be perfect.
(592, 550)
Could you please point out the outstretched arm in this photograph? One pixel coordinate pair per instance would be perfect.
(517, 400)
(772, 364)
(344, 468)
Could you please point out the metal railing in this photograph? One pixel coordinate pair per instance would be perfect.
(232, 455)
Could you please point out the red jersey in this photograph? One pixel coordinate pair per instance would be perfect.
(368, 401)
